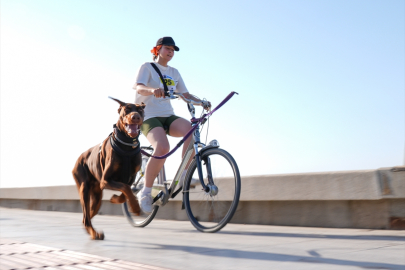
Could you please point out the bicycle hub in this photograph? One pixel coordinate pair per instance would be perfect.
(212, 190)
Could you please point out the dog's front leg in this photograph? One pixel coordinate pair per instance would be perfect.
(107, 182)
(117, 199)
(121, 198)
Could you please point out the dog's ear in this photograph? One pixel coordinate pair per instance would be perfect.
(120, 102)
(143, 105)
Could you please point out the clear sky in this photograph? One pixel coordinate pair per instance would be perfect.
(321, 83)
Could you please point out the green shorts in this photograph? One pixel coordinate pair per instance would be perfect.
(153, 122)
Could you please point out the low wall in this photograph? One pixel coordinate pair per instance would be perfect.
(373, 199)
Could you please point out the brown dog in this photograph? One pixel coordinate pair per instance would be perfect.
(111, 165)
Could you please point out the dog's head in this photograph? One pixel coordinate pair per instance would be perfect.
(131, 117)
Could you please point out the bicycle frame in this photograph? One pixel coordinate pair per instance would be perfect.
(207, 194)
(163, 197)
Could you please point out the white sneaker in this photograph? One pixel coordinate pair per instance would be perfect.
(145, 202)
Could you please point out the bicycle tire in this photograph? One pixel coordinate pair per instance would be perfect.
(143, 219)
(139, 221)
(210, 213)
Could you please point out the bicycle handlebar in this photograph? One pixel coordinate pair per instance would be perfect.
(173, 95)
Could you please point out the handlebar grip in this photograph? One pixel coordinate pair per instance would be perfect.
(206, 104)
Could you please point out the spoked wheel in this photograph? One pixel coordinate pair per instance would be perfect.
(144, 219)
(210, 210)
(139, 221)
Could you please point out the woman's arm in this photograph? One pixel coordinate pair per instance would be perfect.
(148, 91)
(190, 96)
(205, 104)
(141, 81)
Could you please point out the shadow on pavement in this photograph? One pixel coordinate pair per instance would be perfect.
(267, 256)
(319, 236)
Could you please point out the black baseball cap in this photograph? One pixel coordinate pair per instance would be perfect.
(167, 41)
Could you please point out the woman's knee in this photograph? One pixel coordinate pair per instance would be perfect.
(158, 139)
(162, 148)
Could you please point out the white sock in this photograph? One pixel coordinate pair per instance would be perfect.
(146, 190)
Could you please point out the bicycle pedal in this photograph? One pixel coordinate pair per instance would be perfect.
(158, 197)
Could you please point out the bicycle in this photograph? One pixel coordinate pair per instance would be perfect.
(211, 204)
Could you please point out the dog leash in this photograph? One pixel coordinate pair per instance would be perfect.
(193, 120)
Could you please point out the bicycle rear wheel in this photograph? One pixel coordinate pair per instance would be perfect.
(139, 221)
(210, 211)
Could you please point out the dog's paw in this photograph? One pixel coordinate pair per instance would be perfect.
(117, 199)
(136, 212)
(136, 209)
(98, 236)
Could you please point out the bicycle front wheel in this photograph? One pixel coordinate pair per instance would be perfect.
(210, 210)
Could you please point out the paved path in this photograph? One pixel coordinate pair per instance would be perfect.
(177, 245)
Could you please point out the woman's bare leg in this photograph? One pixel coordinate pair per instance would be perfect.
(179, 128)
(157, 138)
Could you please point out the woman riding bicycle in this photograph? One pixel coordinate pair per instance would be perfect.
(159, 115)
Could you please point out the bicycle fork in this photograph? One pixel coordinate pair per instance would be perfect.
(210, 187)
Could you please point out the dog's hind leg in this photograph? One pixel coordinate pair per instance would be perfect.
(81, 176)
(85, 200)
(95, 200)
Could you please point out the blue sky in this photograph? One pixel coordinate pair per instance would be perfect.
(321, 83)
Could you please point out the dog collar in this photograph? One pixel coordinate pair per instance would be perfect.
(124, 139)
(122, 152)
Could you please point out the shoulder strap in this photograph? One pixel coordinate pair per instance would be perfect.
(161, 77)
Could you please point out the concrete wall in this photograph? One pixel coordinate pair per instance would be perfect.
(372, 199)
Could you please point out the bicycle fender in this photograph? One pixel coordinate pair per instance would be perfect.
(208, 147)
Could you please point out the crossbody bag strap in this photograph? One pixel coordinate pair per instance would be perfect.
(161, 77)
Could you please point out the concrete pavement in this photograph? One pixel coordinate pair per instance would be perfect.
(177, 245)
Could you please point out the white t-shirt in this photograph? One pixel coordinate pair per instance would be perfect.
(147, 75)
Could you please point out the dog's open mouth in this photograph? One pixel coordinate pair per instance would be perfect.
(132, 129)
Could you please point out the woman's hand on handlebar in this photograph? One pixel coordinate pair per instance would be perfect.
(158, 92)
(206, 105)
(187, 97)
